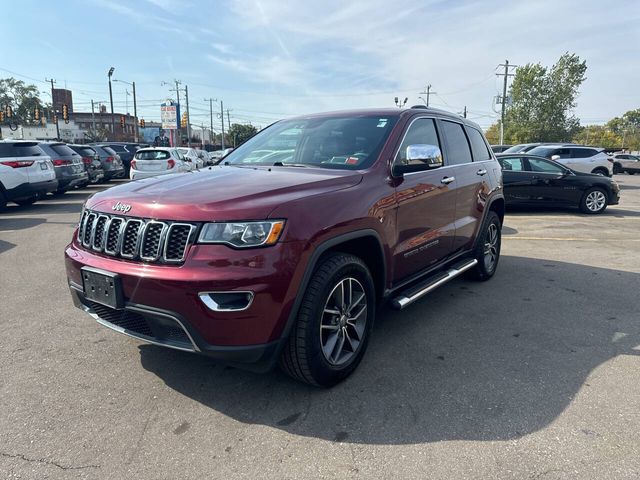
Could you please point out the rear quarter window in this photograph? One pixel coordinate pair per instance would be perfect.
(26, 150)
(478, 145)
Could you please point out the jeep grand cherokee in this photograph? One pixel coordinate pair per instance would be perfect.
(282, 253)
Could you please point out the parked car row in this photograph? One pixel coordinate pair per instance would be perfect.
(31, 169)
(154, 161)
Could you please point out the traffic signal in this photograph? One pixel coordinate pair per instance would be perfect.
(1, 116)
(184, 120)
(65, 113)
(122, 120)
(36, 114)
(142, 123)
(55, 118)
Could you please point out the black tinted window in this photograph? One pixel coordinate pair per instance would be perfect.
(5, 150)
(478, 146)
(583, 152)
(458, 150)
(118, 148)
(85, 151)
(152, 155)
(62, 149)
(26, 150)
(109, 150)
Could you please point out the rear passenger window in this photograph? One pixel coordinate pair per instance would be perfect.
(421, 132)
(5, 150)
(478, 145)
(458, 150)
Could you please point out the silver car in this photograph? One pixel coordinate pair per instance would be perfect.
(625, 162)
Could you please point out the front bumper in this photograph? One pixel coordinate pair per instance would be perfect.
(156, 294)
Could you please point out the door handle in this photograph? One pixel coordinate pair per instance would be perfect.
(447, 180)
(481, 172)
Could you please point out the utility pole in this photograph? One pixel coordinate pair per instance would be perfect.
(222, 119)
(464, 113)
(55, 113)
(186, 97)
(506, 75)
(135, 113)
(228, 120)
(93, 118)
(211, 100)
(113, 119)
(428, 92)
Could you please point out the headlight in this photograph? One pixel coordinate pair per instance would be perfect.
(242, 234)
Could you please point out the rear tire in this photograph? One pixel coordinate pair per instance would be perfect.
(631, 173)
(60, 191)
(601, 171)
(334, 322)
(3, 201)
(617, 168)
(594, 201)
(487, 251)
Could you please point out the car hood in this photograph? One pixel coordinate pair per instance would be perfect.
(220, 193)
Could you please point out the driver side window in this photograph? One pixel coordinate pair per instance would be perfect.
(421, 132)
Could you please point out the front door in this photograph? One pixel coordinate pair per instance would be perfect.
(426, 202)
(550, 183)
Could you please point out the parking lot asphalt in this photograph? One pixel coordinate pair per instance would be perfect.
(534, 374)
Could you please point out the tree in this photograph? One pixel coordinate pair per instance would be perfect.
(240, 133)
(542, 101)
(493, 133)
(598, 136)
(22, 98)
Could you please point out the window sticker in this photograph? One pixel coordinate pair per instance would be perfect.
(382, 122)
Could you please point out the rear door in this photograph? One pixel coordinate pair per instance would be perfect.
(470, 178)
(516, 180)
(550, 184)
(425, 205)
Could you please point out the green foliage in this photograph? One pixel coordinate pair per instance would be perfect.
(542, 101)
(239, 133)
(598, 136)
(493, 133)
(22, 98)
(619, 132)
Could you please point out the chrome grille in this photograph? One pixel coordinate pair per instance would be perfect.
(135, 238)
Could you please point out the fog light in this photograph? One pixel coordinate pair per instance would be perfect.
(226, 301)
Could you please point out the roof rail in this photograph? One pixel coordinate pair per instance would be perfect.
(424, 107)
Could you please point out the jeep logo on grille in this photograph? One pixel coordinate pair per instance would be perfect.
(121, 207)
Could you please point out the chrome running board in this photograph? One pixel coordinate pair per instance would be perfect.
(418, 291)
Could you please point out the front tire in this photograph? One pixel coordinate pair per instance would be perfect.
(334, 322)
(594, 201)
(487, 251)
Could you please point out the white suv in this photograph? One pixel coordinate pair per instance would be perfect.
(577, 157)
(26, 173)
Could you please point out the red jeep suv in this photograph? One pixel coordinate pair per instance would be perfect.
(281, 253)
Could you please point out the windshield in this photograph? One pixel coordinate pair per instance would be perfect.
(329, 142)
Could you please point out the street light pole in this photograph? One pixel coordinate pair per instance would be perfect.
(136, 133)
(113, 120)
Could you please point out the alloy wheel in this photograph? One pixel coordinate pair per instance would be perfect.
(491, 247)
(596, 201)
(343, 323)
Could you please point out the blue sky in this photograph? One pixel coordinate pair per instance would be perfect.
(269, 59)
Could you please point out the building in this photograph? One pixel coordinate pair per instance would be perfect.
(62, 96)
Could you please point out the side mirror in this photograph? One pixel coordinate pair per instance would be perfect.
(555, 157)
(419, 157)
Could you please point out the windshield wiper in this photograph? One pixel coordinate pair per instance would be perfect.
(280, 164)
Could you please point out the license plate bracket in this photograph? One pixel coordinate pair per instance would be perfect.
(102, 287)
